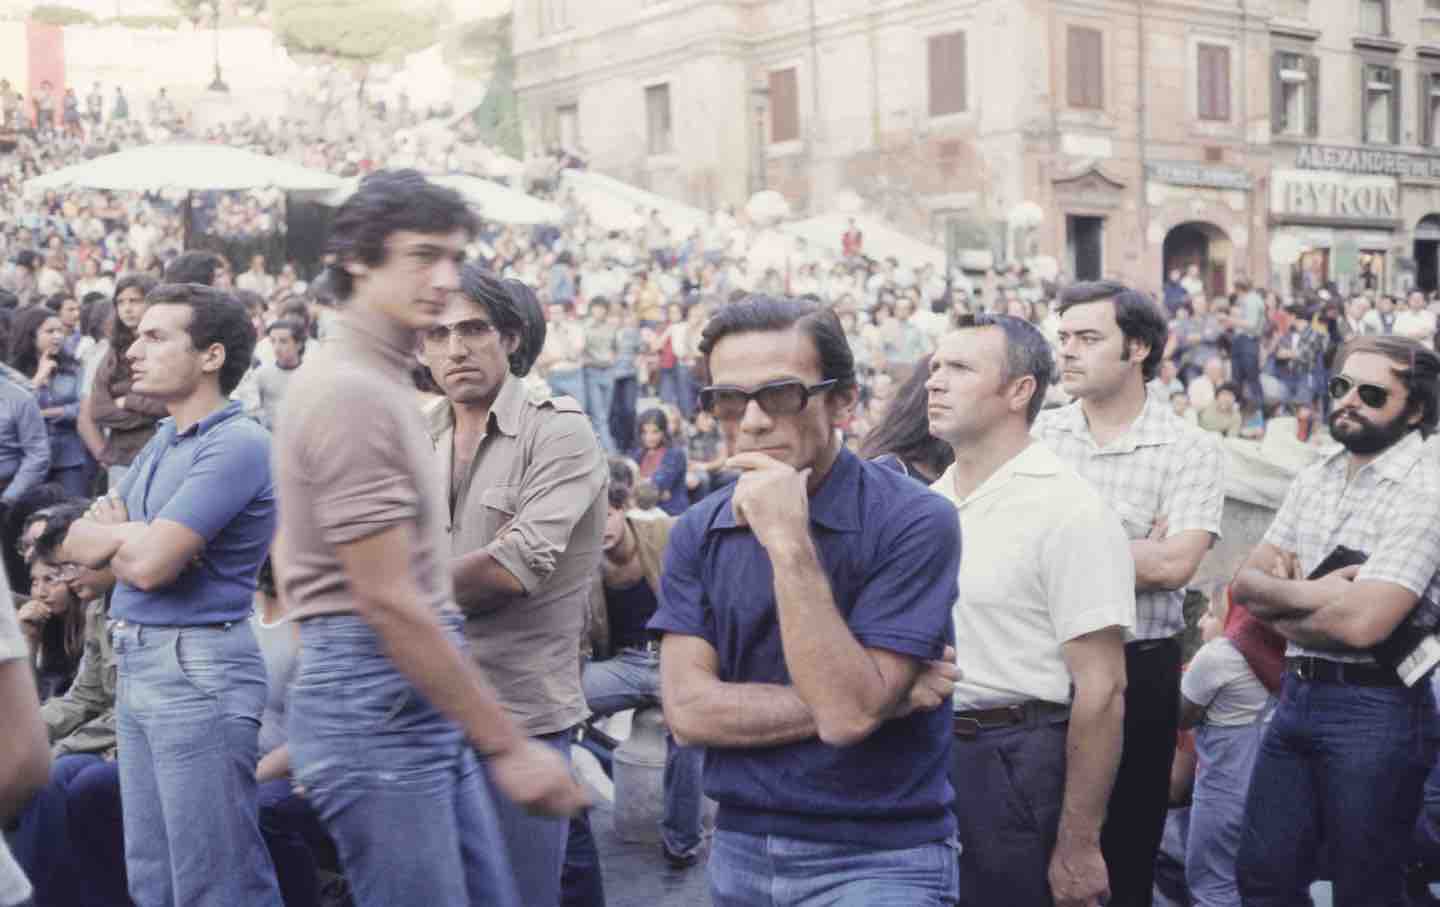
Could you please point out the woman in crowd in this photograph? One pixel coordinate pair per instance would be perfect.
(37, 351)
(902, 436)
(128, 418)
(662, 462)
(53, 622)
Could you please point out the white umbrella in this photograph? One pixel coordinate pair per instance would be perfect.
(767, 206)
(187, 167)
(614, 205)
(494, 201)
(881, 239)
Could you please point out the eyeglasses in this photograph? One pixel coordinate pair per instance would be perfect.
(778, 398)
(1372, 395)
(473, 329)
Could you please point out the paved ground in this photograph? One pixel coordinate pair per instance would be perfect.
(637, 876)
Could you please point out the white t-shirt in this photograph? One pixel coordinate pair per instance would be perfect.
(1044, 561)
(1220, 679)
(14, 887)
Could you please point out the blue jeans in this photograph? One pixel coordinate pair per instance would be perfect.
(1226, 757)
(599, 384)
(1245, 368)
(567, 383)
(631, 680)
(677, 387)
(747, 870)
(1343, 766)
(294, 835)
(61, 857)
(582, 884)
(187, 717)
(622, 411)
(536, 844)
(394, 781)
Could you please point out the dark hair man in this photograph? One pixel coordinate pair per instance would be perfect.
(272, 379)
(818, 587)
(185, 535)
(1345, 756)
(1247, 326)
(1049, 592)
(197, 266)
(1162, 476)
(527, 509)
(385, 700)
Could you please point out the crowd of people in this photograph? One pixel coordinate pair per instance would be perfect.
(323, 579)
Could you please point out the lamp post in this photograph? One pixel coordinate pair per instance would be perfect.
(218, 85)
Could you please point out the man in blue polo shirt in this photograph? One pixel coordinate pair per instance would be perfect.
(186, 535)
(800, 608)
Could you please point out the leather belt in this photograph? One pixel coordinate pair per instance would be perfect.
(1322, 670)
(1036, 711)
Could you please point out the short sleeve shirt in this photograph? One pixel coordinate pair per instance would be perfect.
(1387, 510)
(353, 458)
(1162, 466)
(891, 550)
(1221, 680)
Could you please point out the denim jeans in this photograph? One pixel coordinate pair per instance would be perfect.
(187, 717)
(295, 837)
(622, 411)
(582, 884)
(599, 385)
(1245, 368)
(394, 781)
(1343, 765)
(677, 387)
(40, 840)
(1009, 787)
(748, 870)
(567, 383)
(536, 844)
(631, 680)
(1217, 815)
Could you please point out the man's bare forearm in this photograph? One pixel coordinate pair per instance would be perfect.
(95, 544)
(1092, 756)
(741, 715)
(1271, 598)
(482, 584)
(832, 673)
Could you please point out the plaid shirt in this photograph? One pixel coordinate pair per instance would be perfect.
(1386, 510)
(1162, 466)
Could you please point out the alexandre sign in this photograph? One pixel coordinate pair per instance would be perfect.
(1326, 196)
(1368, 161)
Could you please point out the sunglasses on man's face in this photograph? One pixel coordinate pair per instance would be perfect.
(1372, 395)
(778, 398)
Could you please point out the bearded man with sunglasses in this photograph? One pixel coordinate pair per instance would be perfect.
(801, 610)
(1345, 757)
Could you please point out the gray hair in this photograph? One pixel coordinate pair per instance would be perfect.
(1027, 352)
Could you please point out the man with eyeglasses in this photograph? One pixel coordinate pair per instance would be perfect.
(800, 607)
(1343, 762)
(527, 509)
(1162, 477)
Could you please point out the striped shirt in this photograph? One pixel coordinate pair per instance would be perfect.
(1161, 466)
(1387, 510)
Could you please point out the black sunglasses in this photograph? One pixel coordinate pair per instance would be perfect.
(1372, 395)
(778, 398)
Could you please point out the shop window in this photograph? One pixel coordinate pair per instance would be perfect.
(1294, 94)
(1380, 104)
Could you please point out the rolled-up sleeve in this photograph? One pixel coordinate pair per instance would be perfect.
(684, 604)
(556, 491)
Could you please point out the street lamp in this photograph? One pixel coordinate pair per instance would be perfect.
(218, 85)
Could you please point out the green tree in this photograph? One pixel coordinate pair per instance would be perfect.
(356, 31)
(498, 116)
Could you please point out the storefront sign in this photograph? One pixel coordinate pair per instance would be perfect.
(1321, 197)
(1209, 176)
(1368, 161)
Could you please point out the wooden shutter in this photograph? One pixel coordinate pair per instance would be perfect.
(784, 106)
(1085, 65)
(947, 74)
(1213, 82)
(1312, 96)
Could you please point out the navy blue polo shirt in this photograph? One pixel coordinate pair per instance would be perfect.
(891, 549)
(212, 478)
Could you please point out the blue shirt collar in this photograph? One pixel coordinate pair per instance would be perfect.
(835, 506)
(223, 414)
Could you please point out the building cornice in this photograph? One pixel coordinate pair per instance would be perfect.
(1376, 43)
(1295, 30)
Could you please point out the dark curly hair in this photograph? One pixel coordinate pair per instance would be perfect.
(24, 354)
(513, 308)
(390, 201)
(215, 317)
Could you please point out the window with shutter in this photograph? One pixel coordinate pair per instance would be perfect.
(1213, 82)
(784, 106)
(1085, 64)
(657, 112)
(947, 74)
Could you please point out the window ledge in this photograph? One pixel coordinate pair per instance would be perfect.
(1429, 51)
(1293, 29)
(1376, 42)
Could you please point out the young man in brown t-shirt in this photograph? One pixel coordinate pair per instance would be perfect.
(385, 702)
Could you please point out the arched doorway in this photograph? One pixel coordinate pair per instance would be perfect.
(1427, 253)
(1205, 247)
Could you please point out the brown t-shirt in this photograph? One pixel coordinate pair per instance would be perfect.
(352, 459)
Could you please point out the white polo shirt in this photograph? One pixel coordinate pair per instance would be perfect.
(1045, 561)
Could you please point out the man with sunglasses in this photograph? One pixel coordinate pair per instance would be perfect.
(1343, 762)
(527, 510)
(800, 607)
(1162, 477)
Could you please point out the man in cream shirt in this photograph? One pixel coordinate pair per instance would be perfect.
(1047, 595)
